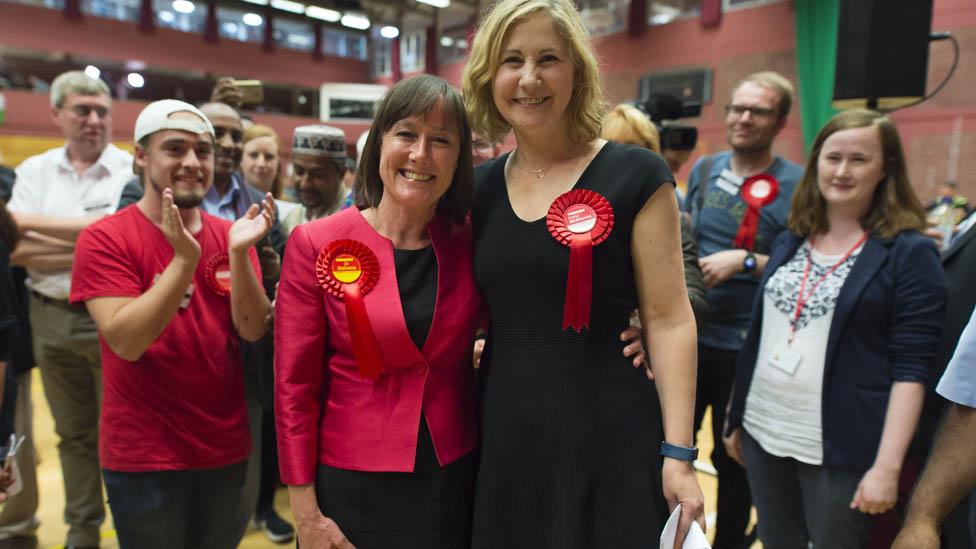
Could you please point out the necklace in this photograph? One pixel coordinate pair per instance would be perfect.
(538, 172)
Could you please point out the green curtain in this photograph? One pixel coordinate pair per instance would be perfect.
(816, 58)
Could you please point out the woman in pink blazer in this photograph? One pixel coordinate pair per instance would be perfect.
(376, 314)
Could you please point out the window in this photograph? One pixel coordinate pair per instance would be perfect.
(123, 10)
(662, 12)
(412, 51)
(294, 34)
(186, 16)
(453, 46)
(603, 17)
(382, 56)
(244, 26)
(51, 4)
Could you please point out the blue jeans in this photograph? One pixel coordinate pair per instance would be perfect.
(177, 509)
(799, 503)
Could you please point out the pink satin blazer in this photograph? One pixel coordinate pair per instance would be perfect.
(325, 412)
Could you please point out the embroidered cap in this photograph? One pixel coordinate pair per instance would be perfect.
(320, 140)
(156, 117)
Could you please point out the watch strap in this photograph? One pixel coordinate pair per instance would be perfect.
(680, 453)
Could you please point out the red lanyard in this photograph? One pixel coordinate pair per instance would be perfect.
(802, 299)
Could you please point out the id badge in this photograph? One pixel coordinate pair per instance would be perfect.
(785, 359)
(729, 182)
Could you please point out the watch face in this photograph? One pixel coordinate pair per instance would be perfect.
(749, 263)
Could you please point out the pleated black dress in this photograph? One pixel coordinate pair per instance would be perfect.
(429, 508)
(571, 432)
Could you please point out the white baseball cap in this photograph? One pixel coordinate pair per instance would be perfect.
(156, 117)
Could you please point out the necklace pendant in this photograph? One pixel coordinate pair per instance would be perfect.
(541, 174)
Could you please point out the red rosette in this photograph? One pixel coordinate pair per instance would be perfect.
(348, 269)
(757, 192)
(579, 219)
(559, 222)
(217, 273)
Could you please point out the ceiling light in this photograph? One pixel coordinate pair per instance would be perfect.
(92, 72)
(230, 27)
(183, 6)
(463, 44)
(323, 14)
(258, 2)
(355, 21)
(389, 32)
(166, 16)
(447, 41)
(289, 6)
(252, 19)
(436, 3)
(136, 80)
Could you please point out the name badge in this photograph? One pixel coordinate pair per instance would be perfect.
(729, 182)
(785, 359)
(93, 207)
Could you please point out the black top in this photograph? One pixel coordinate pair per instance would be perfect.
(416, 272)
(570, 429)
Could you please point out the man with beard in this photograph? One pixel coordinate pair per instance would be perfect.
(317, 155)
(732, 260)
(58, 193)
(171, 289)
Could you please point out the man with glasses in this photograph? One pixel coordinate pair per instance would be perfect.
(59, 193)
(717, 192)
(482, 149)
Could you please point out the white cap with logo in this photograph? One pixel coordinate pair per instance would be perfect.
(156, 117)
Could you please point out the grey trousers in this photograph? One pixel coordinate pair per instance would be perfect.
(17, 517)
(68, 355)
(799, 503)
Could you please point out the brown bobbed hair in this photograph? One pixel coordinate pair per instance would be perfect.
(586, 106)
(407, 98)
(260, 130)
(894, 208)
(627, 124)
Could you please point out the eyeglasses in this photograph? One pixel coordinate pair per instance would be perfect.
(481, 145)
(84, 111)
(754, 112)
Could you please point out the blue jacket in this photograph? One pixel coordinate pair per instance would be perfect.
(886, 327)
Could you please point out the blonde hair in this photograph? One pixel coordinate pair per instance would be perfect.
(586, 106)
(627, 124)
(894, 207)
(260, 130)
(772, 81)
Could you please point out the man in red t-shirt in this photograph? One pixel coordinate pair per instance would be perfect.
(171, 289)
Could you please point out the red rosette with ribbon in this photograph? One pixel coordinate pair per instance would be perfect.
(757, 192)
(217, 273)
(348, 270)
(579, 219)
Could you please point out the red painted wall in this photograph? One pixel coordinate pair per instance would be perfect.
(29, 114)
(44, 29)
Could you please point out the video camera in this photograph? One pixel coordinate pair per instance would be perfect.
(661, 108)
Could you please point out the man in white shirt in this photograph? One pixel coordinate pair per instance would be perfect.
(58, 193)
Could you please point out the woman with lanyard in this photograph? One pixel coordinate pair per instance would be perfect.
(831, 379)
(571, 234)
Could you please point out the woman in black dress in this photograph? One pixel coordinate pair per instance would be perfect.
(571, 234)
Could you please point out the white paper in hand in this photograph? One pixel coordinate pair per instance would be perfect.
(694, 540)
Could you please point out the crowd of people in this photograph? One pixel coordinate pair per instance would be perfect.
(436, 345)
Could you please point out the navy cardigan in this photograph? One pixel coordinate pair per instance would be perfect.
(885, 328)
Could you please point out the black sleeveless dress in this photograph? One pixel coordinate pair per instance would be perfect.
(571, 432)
